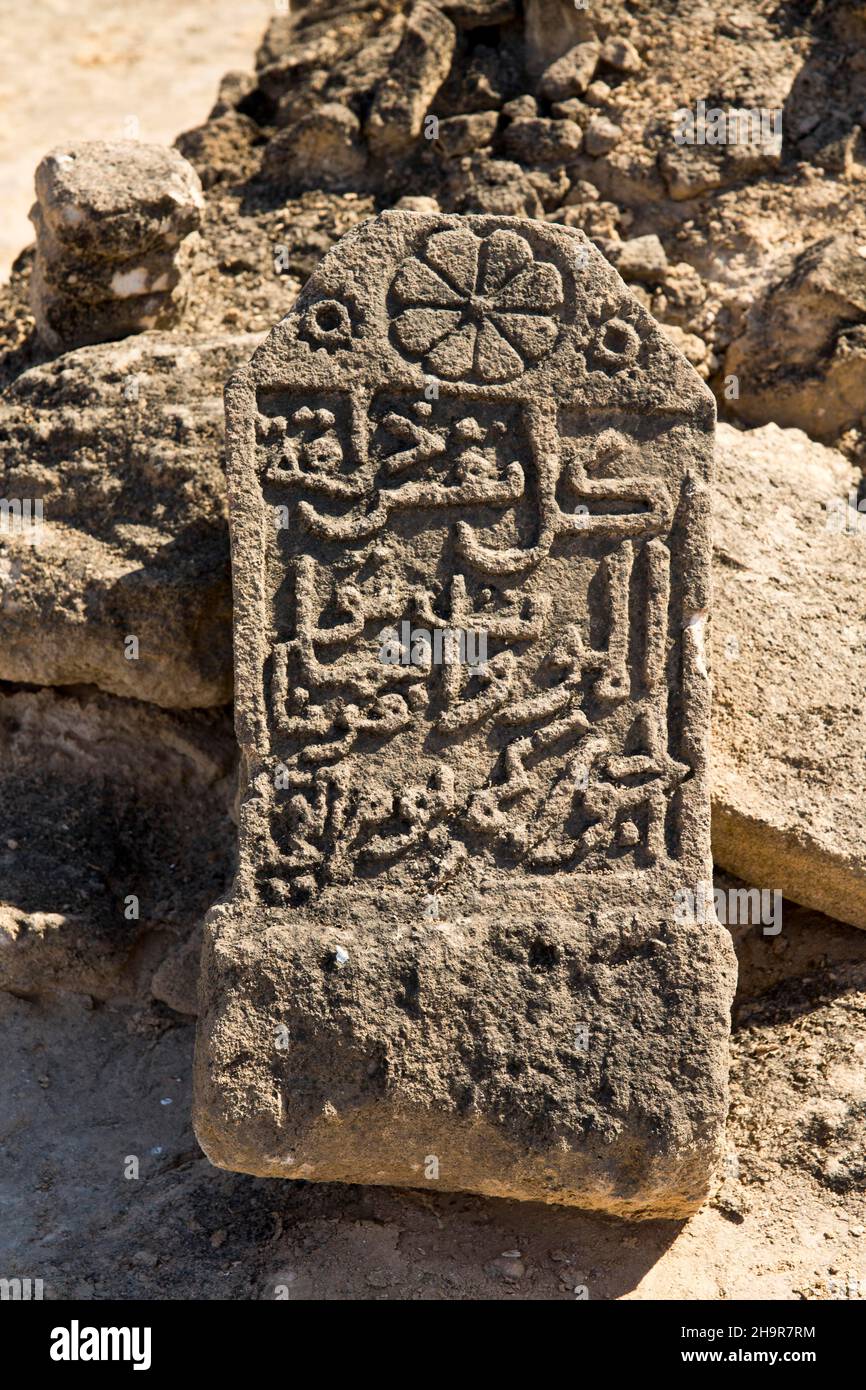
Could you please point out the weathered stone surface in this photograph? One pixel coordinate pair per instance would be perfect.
(551, 183)
(525, 105)
(693, 348)
(552, 27)
(235, 87)
(421, 204)
(571, 74)
(115, 836)
(479, 184)
(122, 448)
(107, 196)
(642, 258)
(321, 150)
(621, 54)
(224, 148)
(451, 956)
(474, 14)
(420, 66)
(789, 670)
(466, 134)
(689, 171)
(538, 140)
(115, 227)
(602, 136)
(571, 110)
(598, 93)
(801, 358)
(482, 77)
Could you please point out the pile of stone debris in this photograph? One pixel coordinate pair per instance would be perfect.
(155, 274)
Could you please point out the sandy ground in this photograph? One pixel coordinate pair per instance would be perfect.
(88, 70)
(105, 1193)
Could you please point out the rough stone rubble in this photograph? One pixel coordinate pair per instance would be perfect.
(749, 257)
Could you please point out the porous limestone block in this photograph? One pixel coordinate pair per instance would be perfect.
(116, 226)
(453, 956)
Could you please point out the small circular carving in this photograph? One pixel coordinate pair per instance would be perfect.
(327, 324)
(617, 344)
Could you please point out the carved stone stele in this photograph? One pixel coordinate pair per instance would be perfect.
(456, 954)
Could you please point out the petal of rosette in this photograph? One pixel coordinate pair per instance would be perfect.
(455, 256)
(416, 283)
(531, 334)
(503, 256)
(418, 330)
(452, 357)
(538, 289)
(495, 359)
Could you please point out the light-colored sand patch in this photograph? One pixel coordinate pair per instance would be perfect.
(87, 70)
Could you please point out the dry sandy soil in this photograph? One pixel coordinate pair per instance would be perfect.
(83, 70)
(87, 1087)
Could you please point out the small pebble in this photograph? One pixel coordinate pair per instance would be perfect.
(622, 55)
(601, 136)
(597, 93)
